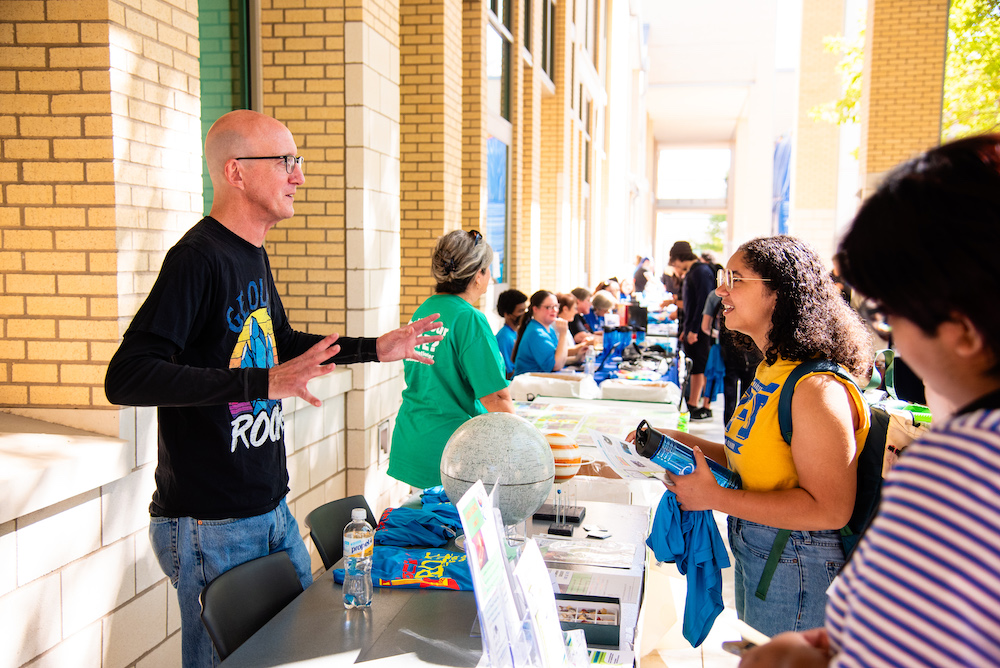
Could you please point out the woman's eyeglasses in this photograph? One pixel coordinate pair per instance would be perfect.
(726, 277)
(476, 237)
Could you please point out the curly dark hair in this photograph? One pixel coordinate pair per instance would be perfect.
(810, 320)
(941, 213)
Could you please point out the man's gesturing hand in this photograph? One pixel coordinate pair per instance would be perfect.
(399, 344)
(289, 379)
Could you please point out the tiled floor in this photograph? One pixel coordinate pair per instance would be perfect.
(673, 650)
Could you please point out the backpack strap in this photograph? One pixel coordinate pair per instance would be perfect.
(777, 547)
(785, 398)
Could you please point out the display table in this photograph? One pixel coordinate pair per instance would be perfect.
(412, 627)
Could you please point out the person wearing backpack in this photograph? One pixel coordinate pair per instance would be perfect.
(923, 586)
(778, 296)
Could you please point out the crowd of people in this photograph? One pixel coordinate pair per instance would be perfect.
(211, 347)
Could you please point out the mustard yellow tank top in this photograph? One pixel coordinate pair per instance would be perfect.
(754, 446)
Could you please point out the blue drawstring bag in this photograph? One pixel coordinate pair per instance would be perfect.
(413, 568)
(417, 526)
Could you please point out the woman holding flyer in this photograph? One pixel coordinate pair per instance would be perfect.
(923, 586)
(778, 296)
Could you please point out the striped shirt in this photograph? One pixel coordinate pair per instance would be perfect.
(923, 587)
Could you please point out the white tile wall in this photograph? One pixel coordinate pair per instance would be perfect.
(130, 631)
(51, 538)
(122, 504)
(80, 650)
(97, 584)
(8, 558)
(147, 568)
(29, 617)
(167, 655)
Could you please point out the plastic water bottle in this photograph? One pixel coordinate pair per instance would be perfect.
(685, 415)
(359, 544)
(676, 457)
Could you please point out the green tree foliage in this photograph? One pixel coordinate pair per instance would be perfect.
(852, 53)
(972, 73)
(971, 100)
(716, 230)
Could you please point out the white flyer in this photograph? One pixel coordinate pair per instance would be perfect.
(623, 458)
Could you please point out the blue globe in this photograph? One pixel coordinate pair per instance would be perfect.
(500, 446)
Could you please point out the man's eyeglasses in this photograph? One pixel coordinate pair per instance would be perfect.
(876, 316)
(290, 160)
(476, 237)
(726, 277)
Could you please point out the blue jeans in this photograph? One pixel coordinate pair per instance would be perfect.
(796, 599)
(194, 552)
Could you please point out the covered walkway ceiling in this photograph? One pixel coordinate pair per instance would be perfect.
(703, 60)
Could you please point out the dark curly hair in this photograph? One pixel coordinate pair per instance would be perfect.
(925, 245)
(810, 320)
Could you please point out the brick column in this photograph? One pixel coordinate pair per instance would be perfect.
(85, 220)
(473, 114)
(372, 222)
(902, 83)
(554, 191)
(525, 251)
(814, 184)
(430, 139)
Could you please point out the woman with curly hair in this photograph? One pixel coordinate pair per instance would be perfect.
(776, 293)
(922, 587)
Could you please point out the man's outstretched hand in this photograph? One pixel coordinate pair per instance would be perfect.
(399, 344)
(289, 379)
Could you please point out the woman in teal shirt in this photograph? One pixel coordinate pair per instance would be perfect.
(467, 377)
(542, 341)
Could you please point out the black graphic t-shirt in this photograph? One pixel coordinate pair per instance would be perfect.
(199, 349)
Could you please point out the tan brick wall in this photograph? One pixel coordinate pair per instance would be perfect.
(473, 113)
(902, 82)
(524, 241)
(98, 153)
(430, 139)
(817, 142)
(304, 83)
(556, 139)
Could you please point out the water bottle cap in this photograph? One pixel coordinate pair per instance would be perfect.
(359, 514)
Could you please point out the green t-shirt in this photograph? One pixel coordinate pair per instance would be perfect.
(439, 397)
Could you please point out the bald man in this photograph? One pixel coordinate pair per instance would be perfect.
(212, 349)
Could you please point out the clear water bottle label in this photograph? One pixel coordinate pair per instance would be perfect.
(362, 547)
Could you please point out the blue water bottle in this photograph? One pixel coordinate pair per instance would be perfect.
(676, 457)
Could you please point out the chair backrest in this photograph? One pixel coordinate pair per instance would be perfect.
(241, 600)
(326, 526)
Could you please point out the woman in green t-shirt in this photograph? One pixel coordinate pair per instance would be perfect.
(467, 377)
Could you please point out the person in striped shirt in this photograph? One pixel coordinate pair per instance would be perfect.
(923, 586)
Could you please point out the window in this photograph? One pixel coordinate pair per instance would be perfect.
(497, 72)
(527, 24)
(224, 31)
(501, 10)
(496, 205)
(548, 36)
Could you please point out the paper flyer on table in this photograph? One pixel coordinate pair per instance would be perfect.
(498, 616)
(623, 458)
(533, 578)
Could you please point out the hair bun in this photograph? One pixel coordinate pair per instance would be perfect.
(450, 266)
